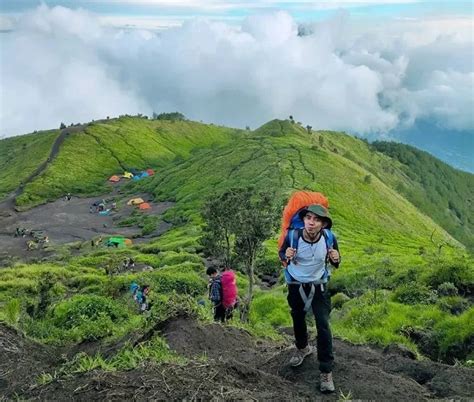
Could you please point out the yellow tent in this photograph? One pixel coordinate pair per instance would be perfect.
(135, 201)
(127, 175)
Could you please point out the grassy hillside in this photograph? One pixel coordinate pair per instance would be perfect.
(437, 189)
(395, 284)
(87, 158)
(20, 156)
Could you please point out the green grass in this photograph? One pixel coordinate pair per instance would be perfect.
(20, 156)
(388, 246)
(88, 158)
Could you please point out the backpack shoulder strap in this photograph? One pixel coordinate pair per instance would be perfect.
(294, 235)
(329, 238)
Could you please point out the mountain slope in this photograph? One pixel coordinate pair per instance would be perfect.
(103, 148)
(444, 193)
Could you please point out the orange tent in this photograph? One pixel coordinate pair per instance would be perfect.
(128, 242)
(150, 172)
(145, 205)
(114, 179)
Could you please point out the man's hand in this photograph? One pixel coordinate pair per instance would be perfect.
(290, 253)
(333, 255)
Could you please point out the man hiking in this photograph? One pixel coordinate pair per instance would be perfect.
(215, 294)
(306, 253)
(222, 293)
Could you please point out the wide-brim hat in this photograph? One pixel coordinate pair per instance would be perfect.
(318, 210)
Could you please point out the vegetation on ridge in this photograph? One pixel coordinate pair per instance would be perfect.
(395, 283)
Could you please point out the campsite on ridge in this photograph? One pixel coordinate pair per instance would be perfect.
(403, 312)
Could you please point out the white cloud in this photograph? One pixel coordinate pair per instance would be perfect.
(64, 65)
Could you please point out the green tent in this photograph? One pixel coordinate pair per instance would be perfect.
(116, 241)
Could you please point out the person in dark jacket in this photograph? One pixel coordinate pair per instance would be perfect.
(307, 274)
(215, 294)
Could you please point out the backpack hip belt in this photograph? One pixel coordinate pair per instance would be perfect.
(308, 300)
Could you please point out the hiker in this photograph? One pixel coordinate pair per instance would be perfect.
(305, 253)
(140, 295)
(222, 293)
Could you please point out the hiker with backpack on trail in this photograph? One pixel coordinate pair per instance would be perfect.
(222, 293)
(140, 296)
(306, 248)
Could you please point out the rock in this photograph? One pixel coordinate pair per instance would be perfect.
(400, 350)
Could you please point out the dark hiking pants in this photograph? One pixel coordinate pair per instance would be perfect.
(219, 313)
(321, 306)
(222, 314)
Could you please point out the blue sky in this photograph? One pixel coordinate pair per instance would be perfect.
(400, 70)
(238, 9)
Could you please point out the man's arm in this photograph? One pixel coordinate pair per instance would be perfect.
(334, 255)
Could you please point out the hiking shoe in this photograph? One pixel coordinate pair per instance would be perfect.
(327, 384)
(299, 355)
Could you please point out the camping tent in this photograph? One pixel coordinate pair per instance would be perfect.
(128, 242)
(145, 205)
(135, 201)
(114, 179)
(116, 241)
(150, 172)
(127, 175)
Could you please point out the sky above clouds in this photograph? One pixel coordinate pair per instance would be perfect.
(398, 70)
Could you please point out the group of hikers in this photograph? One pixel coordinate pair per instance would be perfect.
(102, 207)
(39, 238)
(307, 250)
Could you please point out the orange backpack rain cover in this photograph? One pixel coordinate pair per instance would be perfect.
(298, 200)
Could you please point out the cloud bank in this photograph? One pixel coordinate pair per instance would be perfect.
(62, 65)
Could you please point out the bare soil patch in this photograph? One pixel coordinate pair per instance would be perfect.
(227, 363)
(70, 221)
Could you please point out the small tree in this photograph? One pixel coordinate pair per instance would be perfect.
(62, 126)
(240, 219)
(291, 119)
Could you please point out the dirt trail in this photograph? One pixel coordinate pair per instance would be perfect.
(227, 363)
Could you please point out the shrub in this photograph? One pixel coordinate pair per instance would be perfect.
(415, 294)
(459, 273)
(453, 304)
(87, 310)
(339, 299)
(447, 289)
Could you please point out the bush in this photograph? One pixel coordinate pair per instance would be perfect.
(415, 294)
(447, 289)
(339, 299)
(453, 304)
(87, 310)
(171, 279)
(459, 273)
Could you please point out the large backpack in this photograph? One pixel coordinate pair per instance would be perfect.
(298, 201)
(229, 289)
(291, 228)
